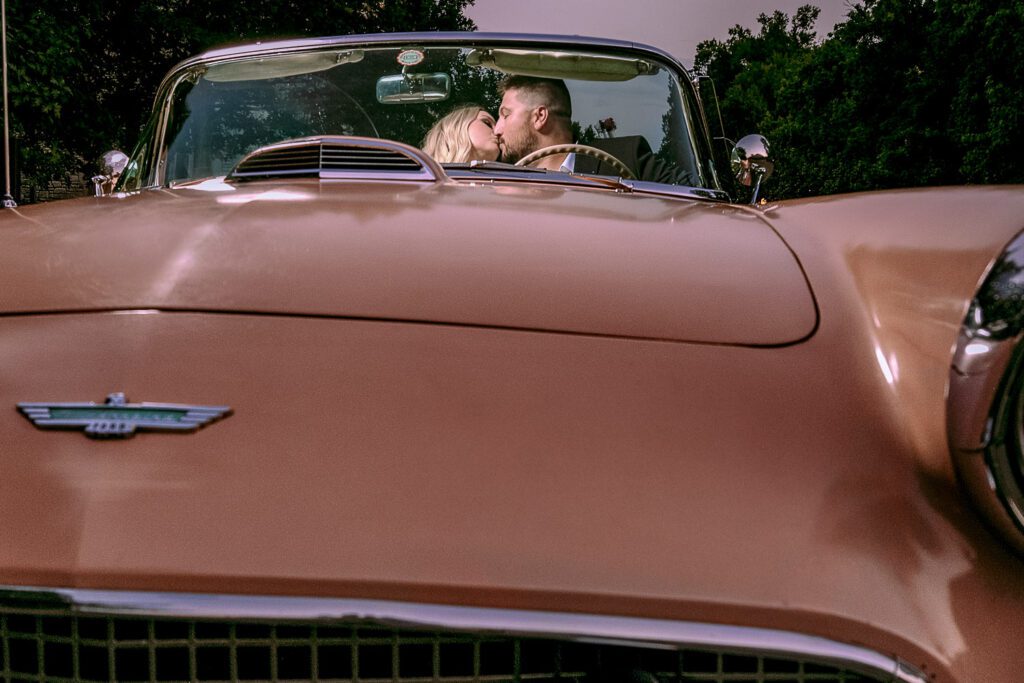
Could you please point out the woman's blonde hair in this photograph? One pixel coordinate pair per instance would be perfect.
(448, 139)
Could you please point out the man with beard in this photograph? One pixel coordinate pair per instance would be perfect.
(534, 113)
(537, 113)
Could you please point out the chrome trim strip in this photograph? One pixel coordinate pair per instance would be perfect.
(660, 633)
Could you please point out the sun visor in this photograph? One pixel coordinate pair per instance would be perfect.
(566, 65)
(264, 68)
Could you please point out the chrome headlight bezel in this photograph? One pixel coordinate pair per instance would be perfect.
(985, 404)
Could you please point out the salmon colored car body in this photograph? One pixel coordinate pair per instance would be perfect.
(296, 401)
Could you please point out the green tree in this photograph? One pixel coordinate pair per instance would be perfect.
(83, 74)
(751, 71)
(752, 66)
(903, 93)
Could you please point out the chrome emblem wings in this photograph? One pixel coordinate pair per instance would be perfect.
(117, 418)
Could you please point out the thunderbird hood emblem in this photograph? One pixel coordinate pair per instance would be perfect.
(118, 419)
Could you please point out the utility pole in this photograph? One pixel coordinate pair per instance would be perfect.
(8, 199)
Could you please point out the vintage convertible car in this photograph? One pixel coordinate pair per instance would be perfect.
(398, 420)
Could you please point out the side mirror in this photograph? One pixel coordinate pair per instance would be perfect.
(111, 164)
(413, 87)
(752, 163)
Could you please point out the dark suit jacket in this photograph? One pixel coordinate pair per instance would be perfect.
(635, 152)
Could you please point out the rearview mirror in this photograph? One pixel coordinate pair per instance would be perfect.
(413, 87)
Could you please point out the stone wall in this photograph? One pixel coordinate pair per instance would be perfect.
(74, 185)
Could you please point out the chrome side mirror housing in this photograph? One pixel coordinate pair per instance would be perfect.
(111, 165)
(752, 162)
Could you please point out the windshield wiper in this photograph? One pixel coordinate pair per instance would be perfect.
(483, 165)
(480, 166)
(505, 171)
(607, 180)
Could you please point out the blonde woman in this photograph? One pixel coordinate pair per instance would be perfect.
(465, 134)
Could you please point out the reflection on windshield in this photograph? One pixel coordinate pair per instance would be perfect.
(227, 112)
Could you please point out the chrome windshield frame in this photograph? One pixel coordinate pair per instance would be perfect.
(696, 125)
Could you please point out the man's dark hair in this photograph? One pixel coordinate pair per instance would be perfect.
(550, 92)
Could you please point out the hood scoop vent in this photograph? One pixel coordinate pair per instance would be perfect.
(338, 157)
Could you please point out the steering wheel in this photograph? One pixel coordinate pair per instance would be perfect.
(585, 150)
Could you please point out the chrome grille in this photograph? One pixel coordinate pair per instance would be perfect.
(337, 158)
(44, 643)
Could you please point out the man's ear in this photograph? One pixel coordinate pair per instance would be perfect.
(540, 117)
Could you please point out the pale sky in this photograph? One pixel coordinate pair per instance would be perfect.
(675, 26)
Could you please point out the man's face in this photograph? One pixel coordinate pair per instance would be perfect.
(514, 128)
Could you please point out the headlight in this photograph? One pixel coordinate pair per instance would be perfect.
(986, 397)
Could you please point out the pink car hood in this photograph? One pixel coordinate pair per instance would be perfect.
(506, 256)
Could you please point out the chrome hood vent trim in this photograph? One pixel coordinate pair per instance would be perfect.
(338, 157)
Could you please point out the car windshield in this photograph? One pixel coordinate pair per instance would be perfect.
(216, 113)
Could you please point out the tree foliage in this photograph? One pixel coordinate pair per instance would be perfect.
(902, 93)
(83, 74)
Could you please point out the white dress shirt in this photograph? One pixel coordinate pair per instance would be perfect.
(569, 164)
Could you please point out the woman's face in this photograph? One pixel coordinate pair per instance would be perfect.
(482, 137)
